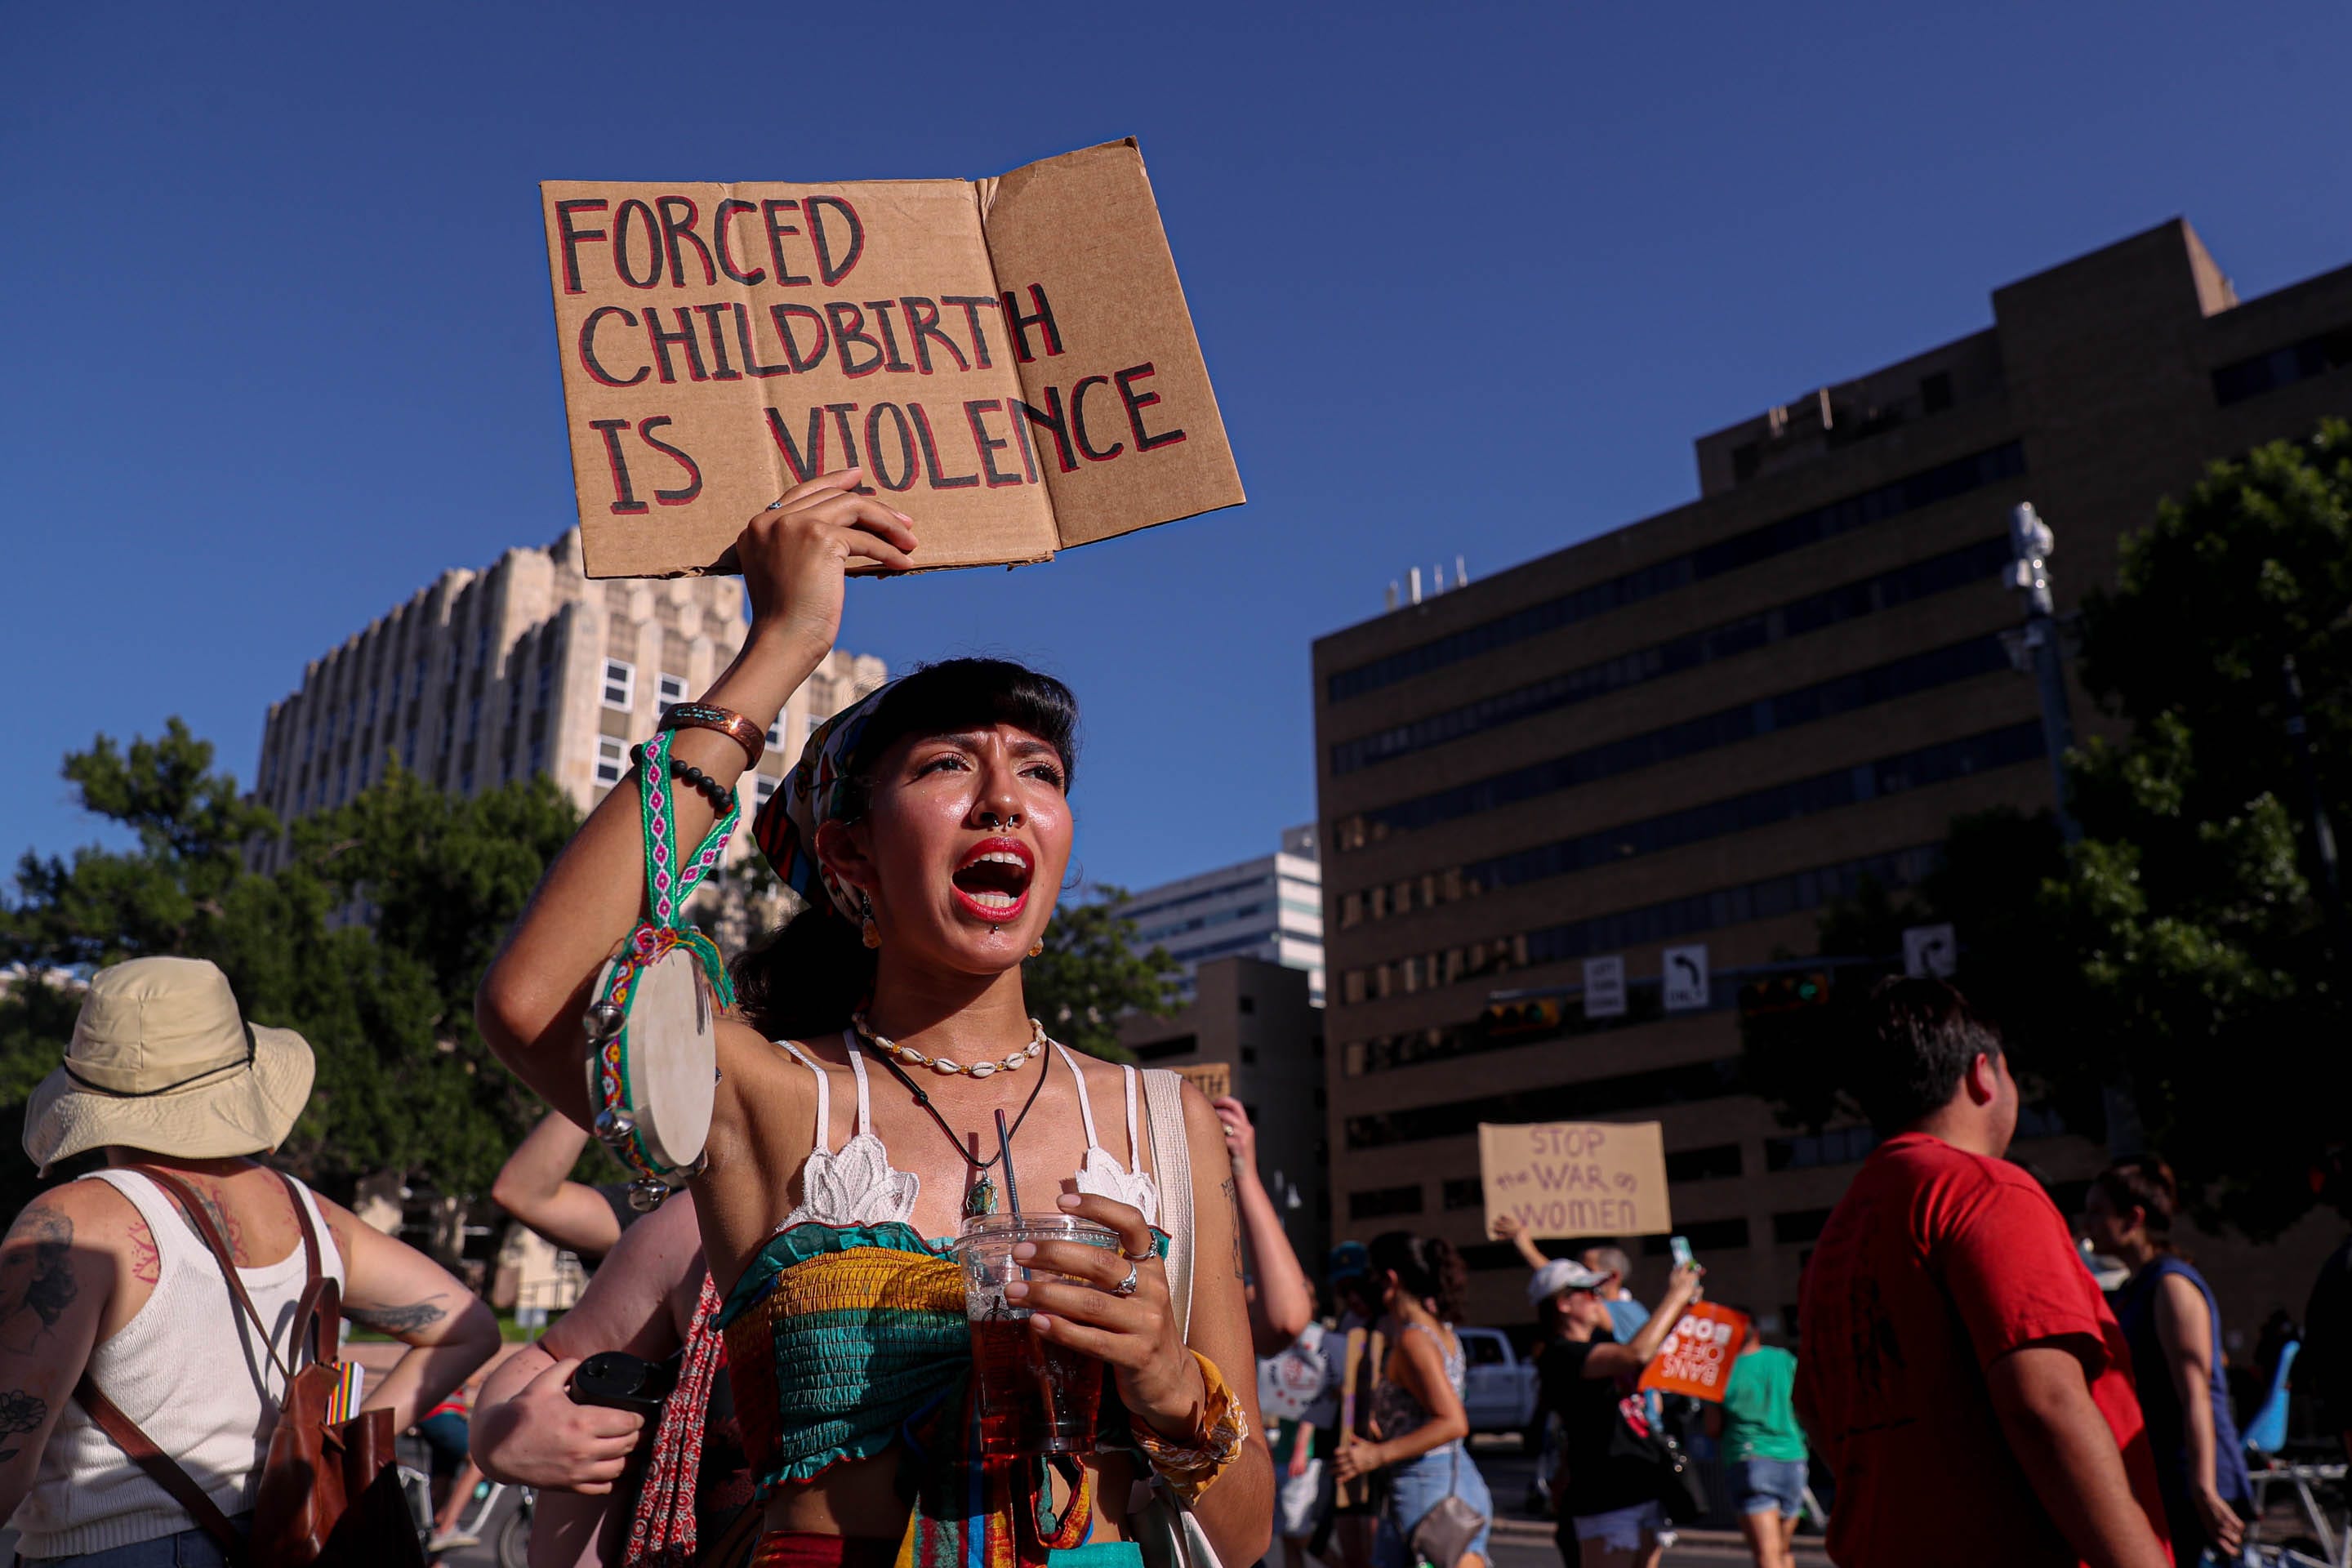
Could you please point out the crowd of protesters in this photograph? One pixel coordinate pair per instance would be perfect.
(1966, 1381)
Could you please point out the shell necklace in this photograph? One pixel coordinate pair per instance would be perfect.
(889, 1048)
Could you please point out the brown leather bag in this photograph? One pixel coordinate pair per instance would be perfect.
(329, 1491)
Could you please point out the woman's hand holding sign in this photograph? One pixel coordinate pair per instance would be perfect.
(795, 555)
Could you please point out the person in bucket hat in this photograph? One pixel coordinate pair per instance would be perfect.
(106, 1280)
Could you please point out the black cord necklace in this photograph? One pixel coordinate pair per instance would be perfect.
(981, 1198)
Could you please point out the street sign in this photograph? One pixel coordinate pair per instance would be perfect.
(1686, 975)
(1604, 986)
(1930, 950)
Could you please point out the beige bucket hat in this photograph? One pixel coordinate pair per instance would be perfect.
(162, 1062)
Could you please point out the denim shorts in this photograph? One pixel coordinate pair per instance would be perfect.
(1620, 1529)
(185, 1549)
(1768, 1486)
(1418, 1484)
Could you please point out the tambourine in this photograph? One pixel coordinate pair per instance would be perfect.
(653, 1019)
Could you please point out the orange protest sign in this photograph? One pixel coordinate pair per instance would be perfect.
(1696, 1357)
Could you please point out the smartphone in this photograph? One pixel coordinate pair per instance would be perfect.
(1681, 1250)
(619, 1381)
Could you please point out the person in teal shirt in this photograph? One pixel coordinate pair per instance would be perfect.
(1763, 1449)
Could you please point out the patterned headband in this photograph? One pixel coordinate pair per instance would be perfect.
(785, 828)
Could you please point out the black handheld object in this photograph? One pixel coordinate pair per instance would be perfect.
(619, 1381)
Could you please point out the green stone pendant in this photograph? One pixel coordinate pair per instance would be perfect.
(981, 1200)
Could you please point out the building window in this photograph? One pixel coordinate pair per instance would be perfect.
(762, 788)
(1798, 1229)
(1704, 1235)
(1378, 1203)
(669, 691)
(776, 734)
(1936, 391)
(1249, 1003)
(1464, 1193)
(1718, 1162)
(612, 759)
(1249, 1055)
(620, 685)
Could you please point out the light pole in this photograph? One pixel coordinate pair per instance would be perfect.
(2036, 650)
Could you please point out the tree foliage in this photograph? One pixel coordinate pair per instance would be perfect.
(1090, 976)
(2182, 951)
(369, 943)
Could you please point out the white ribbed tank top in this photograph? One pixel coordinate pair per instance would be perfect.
(190, 1369)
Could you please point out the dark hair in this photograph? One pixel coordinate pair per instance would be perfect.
(1427, 1267)
(807, 978)
(1916, 1040)
(2145, 1183)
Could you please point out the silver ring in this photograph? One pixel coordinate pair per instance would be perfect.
(1126, 1286)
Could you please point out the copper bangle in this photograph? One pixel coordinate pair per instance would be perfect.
(726, 721)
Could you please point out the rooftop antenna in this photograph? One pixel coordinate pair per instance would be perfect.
(1392, 593)
(1438, 571)
(1461, 574)
(1413, 580)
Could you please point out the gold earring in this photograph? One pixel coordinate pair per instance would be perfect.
(870, 933)
(1037, 947)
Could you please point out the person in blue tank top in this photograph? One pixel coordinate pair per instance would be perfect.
(2168, 1316)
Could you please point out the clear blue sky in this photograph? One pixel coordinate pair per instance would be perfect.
(1469, 279)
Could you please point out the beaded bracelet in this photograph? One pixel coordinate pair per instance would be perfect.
(1190, 1468)
(721, 798)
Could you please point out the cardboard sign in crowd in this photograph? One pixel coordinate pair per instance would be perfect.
(1576, 1178)
(1696, 1357)
(1010, 361)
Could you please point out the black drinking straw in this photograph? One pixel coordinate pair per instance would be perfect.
(1004, 1151)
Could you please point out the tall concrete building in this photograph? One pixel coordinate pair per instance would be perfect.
(1253, 1016)
(1269, 908)
(1705, 726)
(526, 667)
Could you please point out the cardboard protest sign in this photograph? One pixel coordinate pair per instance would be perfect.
(1214, 1079)
(1576, 1178)
(1010, 360)
(1696, 1357)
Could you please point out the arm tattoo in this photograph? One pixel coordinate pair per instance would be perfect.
(40, 1279)
(146, 1260)
(19, 1412)
(1233, 1209)
(407, 1319)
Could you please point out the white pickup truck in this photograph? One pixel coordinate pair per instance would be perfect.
(1500, 1392)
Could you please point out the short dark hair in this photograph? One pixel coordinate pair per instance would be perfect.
(1917, 1038)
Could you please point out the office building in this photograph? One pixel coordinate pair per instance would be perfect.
(1705, 727)
(1269, 908)
(526, 667)
(1255, 1018)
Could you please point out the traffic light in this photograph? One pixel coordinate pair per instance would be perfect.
(1777, 993)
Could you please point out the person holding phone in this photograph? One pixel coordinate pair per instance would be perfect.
(1610, 1513)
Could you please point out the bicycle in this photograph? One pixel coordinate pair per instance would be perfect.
(510, 1541)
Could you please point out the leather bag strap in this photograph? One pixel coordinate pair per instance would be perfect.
(198, 1215)
(164, 1471)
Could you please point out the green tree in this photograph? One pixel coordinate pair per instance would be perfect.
(370, 943)
(2183, 951)
(1090, 976)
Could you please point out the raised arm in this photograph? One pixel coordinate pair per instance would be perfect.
(1614, 1360)
(1283, 1302)
(57, 1272)
(392, 1287)
(1511, 1230)
(2062, 1443)
(794, 560)
(535, 1186)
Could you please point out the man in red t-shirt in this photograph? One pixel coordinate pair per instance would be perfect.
(1961, 1372)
